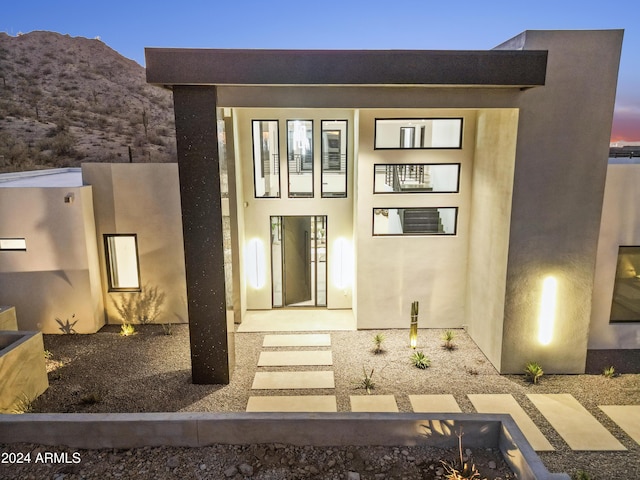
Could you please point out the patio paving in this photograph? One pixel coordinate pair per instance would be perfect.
(298, 340)
(294, 403)
(434, 404)
(292, 380)
(627, 417)
(295, 357)
(373, 403)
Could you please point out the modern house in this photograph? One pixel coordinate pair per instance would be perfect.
(470, 181)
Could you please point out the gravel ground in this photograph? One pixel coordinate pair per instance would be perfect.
(150, 372)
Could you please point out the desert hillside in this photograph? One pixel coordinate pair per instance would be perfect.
(68, 100)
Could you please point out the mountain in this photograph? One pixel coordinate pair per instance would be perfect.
(68, 100)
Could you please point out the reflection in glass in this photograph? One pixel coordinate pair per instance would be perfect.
(625, 306)
(122, 262)
(417, 178)
(334, 158)
(418, 133)
(300, 157)
(415, 221)
(266, 158)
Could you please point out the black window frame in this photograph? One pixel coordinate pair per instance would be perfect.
(417, 119)
(107, 254)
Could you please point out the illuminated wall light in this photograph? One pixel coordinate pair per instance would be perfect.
(342, 263)
(255, 263)
(547, 314)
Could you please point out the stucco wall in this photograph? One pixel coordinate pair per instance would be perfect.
(143, 199)
(559, 177)
(256, 211)
(492, 188)
(56, 276)
(620, 226)
(393, 271)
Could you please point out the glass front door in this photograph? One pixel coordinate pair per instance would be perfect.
(299, 261)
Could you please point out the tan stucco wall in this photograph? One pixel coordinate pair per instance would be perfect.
(620, 227)
(56, 276)
(492, 188)
(143, 199)
(256, 211)
(561, 161)
(393, 271)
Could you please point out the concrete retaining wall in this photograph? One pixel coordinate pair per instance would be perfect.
(133, 430)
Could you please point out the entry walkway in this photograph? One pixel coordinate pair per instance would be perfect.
(290, 320)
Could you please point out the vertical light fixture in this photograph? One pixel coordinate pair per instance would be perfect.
(413, 330)
(547, 313)
(256, 263)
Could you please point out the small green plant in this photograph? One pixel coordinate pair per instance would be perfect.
(582, 475)
(533, 371)
(378, 340)
(167, 328)
(420, 360)
(448, 337)
(127, 329)
(609, 372)
(48, 355)
(67, 327)
(367, 383)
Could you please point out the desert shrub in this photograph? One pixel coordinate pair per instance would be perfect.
(533, 371)
(420, 360)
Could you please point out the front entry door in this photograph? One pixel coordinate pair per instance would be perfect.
(297, 259)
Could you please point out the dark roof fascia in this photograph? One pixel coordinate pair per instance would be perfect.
(495, 68)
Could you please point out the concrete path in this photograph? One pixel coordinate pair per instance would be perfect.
(295, 358)
(373, 403)
(505, 403)
(292, 380)
(434, 404)
(298, 340)
(627, 417)
(574, 423)
(294, 403)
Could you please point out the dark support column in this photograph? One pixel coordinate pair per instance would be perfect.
(198, 162)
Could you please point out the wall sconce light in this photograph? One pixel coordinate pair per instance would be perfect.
(342, 263)
(547, 313)
(255, 263)
(69, 198)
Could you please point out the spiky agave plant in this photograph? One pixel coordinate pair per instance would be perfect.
(533, 371)
(420, 360)
(378, 340)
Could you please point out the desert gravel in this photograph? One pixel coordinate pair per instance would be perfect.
(150, 372)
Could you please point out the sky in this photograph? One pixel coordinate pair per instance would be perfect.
(130, 26)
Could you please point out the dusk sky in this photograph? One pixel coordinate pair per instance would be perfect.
(129, 26)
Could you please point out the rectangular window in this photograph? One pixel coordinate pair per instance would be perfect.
(418, 133)
(266, 158)
(123, 270)
(417, 178)
(300, 158)
(13, 244)
(625, 306)
(415, 221)
(334, 158)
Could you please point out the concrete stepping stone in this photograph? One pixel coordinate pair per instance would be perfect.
(434, 404)
(574, 423)
(292, 380)
(295, 357)
(293, 403)
(627, 417)
(505, 403)
(373, 403)
(298, 340)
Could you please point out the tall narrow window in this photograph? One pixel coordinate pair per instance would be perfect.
(123, 270)
(334, 158)
(266, 158)
(300, 158)
(625, 305)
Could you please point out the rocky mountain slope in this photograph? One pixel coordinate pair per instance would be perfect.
(66, 100)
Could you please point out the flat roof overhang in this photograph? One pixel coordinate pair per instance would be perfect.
(493, 68)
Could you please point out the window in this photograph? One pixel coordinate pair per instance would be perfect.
(123, 270)
(266, 158)
(334, 158)
(415, 221)
(418, 133)
(625, 306)
(417, 178)
(300, 158)
(13, 244)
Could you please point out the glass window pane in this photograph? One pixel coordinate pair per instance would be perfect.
(417, 133)
(122, 262)
(13, 244)
(417, 178)
(266, 158)
(625, 306)
(300, 157)
(415, 221)
(334, 158)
